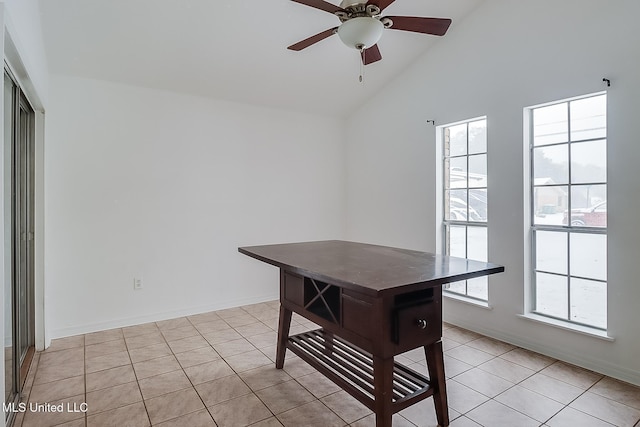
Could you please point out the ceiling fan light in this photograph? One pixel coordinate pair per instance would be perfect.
(360, 33)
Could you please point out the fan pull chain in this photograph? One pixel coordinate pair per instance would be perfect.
(362, 55)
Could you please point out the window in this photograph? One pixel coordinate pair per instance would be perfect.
(568, 153)
(465, 199)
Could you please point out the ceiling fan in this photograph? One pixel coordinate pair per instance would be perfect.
(361, 25)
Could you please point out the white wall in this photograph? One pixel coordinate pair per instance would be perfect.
(23, 25)
(148, 183)
(506, 56)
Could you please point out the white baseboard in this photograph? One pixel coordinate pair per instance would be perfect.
(131, 321)
(583, 360)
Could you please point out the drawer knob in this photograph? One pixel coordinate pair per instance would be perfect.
(422, 324)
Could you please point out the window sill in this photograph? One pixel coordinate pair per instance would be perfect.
(467, 300)
(585, 330)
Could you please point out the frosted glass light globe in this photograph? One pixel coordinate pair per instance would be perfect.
(360, 33)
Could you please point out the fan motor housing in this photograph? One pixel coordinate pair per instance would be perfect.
(357, 9)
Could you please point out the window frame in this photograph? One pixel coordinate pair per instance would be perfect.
(567, 229)
(447, 224)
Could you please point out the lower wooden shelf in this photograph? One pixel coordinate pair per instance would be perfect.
(352, 369)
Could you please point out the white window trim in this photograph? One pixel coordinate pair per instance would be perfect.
(529, 282)
(568, 326)
(466, 300)
(440, 221)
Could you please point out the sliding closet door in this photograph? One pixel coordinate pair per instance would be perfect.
(19, 153)
(24, 284)
(9, 365)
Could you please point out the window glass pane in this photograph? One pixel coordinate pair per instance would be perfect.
(458, 140)
(551, 251)
(458, 287)
(478, 205)
(589, 118)
(456, 205)
(552, 295)
(589, 302)
(589, 255)
(478, 170)
(457, 241)
(477, 243)
(478, 137)
(589, 206)
(550, 205)
(589, 162)
(478, 287)
(587, 196)
(551, 165)
(458, 172)
(550, 124)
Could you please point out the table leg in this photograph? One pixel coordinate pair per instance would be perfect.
(284, 322)
(383, 390)
(435, 365)
(328, 342)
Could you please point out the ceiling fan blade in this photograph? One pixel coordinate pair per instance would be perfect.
(434, 26)
(313, 39)
(320, 4)
(371, 55)
(382, 4)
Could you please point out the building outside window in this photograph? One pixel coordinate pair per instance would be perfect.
(568, 154)
(465, 200)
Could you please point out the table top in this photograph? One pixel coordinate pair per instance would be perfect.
(370, 269)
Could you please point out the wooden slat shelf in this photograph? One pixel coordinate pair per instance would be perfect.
(352, 369)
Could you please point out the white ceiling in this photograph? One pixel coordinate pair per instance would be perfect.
(231, 49)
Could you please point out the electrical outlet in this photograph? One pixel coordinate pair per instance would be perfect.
(137, 283)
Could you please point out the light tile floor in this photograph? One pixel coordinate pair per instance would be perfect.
(216, 369)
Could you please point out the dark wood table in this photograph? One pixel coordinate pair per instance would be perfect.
(372, 303)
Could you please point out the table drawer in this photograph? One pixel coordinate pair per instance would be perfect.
(417, 325)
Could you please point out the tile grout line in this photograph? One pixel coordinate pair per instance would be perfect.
(244, 382)
(185, 374)
(509, 388)
(248, 386)
(539, 371)
(221, 358)
(294, 379)
(144, 403)
(604, 397)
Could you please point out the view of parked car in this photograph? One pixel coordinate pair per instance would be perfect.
(594, 216)
(458, 211)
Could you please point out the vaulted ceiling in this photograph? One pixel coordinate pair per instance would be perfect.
(231, 49)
